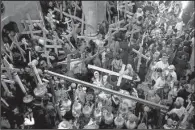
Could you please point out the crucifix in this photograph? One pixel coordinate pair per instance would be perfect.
(30, 26)
(120, 75)
(74, 17)
(46, 55)
(82, 24)
(140, 54)
(17, 44)
(12, 73)
(46, 46)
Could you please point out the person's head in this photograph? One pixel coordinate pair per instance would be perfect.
(118, 57)
(164, 58)
(50, 3)
(96, 74)
(156, 54)
(171, 68)
(179, 102)
(105, 78)
(189, 88)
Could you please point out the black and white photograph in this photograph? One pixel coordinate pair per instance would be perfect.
(97, 64)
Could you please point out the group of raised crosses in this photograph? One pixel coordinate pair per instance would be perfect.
(142, 50)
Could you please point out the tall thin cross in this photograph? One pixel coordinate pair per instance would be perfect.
(140, 54)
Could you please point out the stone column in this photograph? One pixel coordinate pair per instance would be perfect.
(94, 12)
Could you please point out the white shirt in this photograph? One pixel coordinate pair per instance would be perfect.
(159, 83)
(173, 74)
(179, 111)
(161, 65)
(28, 122)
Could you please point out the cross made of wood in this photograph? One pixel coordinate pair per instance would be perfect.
(76, 18)
(17, 44)
(140, 54)
(13, 75)
(46, 46)
(31, 27)
(47, 56)
(120, 75)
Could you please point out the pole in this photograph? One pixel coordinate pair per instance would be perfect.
(107, 90)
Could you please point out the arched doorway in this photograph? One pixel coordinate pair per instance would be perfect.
(10, 28)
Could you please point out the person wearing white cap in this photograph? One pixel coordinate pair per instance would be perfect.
(179, 108)
(171, 71)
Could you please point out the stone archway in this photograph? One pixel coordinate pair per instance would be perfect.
(12, 28)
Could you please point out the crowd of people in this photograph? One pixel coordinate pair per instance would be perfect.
(165, 76)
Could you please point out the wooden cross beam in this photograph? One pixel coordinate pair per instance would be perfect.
(140, 54)
(66, 62)
(29, 32)
(30, 26)
(121, 75)
(61, 15)
(17, 44)
(82, 24)
(10, 56)
(3, 100)
(14, 74)
(34, 21)
(56, 47)
(152, 104)
(74, 17)
(112, 73)
(3, 83)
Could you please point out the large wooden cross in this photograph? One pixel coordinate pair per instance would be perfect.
(120, 75)
(76, 18)
(17, 44)
(46, 46)
(140, 54)
(46, 55)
